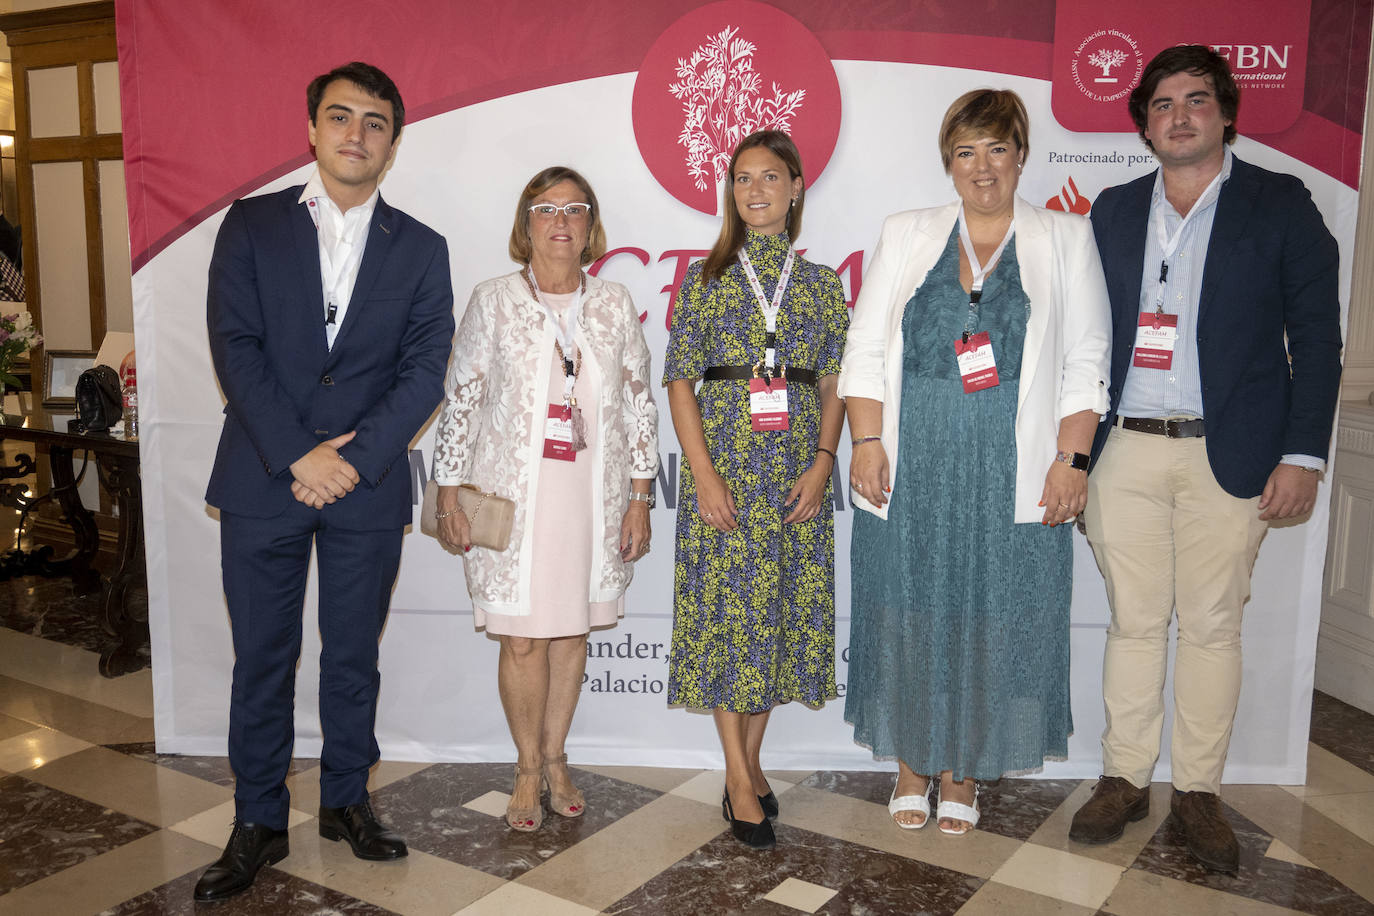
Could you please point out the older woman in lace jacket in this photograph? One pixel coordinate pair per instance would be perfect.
(548, 403)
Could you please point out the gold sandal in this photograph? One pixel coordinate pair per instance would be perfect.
(574, 805)
(525, 820)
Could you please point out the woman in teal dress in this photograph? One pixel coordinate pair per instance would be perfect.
(974, 376)
(754, 581)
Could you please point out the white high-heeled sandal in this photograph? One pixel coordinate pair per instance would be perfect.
(957, 811)
(919, 803)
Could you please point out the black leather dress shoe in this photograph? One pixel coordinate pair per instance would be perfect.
(369, 838)
(250, 847)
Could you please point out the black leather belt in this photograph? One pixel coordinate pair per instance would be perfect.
(744, 373)
(1174, 429)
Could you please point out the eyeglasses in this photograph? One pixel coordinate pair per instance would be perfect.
(572, 211)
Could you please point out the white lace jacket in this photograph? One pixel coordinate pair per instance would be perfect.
(491, 426)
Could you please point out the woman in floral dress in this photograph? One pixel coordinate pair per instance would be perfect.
(754, 589)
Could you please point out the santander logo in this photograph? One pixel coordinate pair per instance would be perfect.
(720, 73)
(1069, 200)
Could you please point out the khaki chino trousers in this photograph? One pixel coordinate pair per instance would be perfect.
(1169, 539)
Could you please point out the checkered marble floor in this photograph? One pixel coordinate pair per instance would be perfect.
(92, 820)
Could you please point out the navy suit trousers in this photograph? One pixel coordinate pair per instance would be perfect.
(265, 563)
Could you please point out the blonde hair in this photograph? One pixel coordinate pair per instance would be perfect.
(521, 247)
(996, 113)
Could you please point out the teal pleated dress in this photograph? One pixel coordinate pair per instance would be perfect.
(959, 629)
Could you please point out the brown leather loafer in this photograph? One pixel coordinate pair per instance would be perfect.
(1103, 817)
(1208, 834)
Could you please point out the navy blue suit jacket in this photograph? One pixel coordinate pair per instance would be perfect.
(287, 391)
(1271, 270)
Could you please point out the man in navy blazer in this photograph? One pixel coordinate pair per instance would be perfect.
(1225, 375)
(330, 317)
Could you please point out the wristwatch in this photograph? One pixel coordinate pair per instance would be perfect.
(1076, 460)
(644, 498)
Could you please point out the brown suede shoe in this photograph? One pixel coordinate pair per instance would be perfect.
(1103, 817)
(1210, 837)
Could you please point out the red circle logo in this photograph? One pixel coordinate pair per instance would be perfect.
(717, 75)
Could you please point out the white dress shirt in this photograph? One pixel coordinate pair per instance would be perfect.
(342, 238)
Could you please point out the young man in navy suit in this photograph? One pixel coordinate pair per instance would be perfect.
(330, 318)
(1216, 429)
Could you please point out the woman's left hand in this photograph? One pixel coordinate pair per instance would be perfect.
(808, 491)
(634, 531)
(1065, 494)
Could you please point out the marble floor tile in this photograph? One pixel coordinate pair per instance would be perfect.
(725, 877)
(1328, 774)
(993, 899)
(870, 786)
(417, 885)
(428, 807)
(109, 879)
(1058, 874)
(492, 804)
(621, 856)
(663, 779)
(1343, 730)
(303, 782)
(1054, 832)
(516, 898)
(866, 824)
(77, 717)
(1261, 877)
(51, 610)
(1285, 853)
(1316, 837)
(10, 726)
(210, 769)
(74, 672)
(1353, 812)
(213, 825)
(705, 787)
(149, 792)
(36, 747)
(44, 831)
(1143, 894)
(274, 893)
(800, 895)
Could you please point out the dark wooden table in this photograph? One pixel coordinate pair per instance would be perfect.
(125, 608)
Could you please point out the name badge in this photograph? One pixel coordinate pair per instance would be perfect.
(1155, 337)
(768, 404)
(558, 434)
(977, 365)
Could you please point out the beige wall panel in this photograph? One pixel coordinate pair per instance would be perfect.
(105, 79)
(114, 228)
(54, 109)
(60, 212)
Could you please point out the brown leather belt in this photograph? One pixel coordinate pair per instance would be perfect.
(744, 373)
(1174, 429)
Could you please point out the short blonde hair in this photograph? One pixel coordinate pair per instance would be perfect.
(521, 247)
(996, 113)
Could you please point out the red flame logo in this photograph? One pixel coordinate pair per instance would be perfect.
(1070, 201)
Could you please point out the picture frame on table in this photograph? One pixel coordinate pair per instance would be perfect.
(61, 369)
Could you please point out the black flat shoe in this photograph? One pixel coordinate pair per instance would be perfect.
(250, 847)
(769, 804)
(755, 836)
(368, 836)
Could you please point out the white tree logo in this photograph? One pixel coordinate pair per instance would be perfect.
(1105, 59)
(722, 104)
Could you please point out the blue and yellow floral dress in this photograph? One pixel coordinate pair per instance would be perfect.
(754, 608)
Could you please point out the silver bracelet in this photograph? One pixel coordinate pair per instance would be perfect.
(439, 515)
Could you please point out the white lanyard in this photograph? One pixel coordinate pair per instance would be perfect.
(565, 334)
(769, 309)
(1169, 244)
(336, 258)
(979, 272)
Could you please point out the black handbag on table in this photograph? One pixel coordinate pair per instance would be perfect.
(98, 402)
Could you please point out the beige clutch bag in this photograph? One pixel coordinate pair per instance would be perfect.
(489, 516)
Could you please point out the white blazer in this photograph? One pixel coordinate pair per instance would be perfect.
(1066, 360)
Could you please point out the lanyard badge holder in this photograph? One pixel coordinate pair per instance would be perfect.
(768, 391)
(973, 348)
(565, 431)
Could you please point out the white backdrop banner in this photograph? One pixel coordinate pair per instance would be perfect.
(633, 110)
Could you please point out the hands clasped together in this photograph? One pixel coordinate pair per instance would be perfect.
(323, 476)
